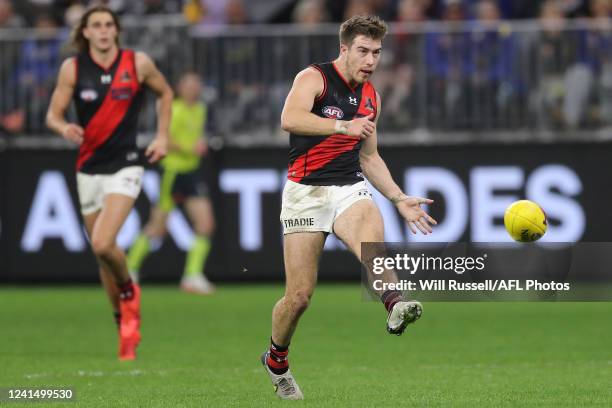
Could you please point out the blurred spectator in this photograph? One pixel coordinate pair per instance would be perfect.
(193, 11)
(358, 7)
(600, 10)
(562, 85)
(73, 14)
(447, 56)
(453, 11)
(236, 13)
(10, 118)
(571, 8)
(154, 7)
(397, 83)
(385, 9)
(118, 6)
(310, 13)
(432, 9)
(218, 13)
(493, 85)
(35, 71)
(411, 11)
(214, 11)
(8, 18)
(596, 55)
(520, 9)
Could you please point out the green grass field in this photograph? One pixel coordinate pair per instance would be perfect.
(204, 352)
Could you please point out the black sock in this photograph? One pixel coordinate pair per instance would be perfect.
(390, 298)
(277, 358)
(117, 317)
(126, 290)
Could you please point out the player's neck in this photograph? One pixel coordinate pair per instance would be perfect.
(341, 67)
(104, 58)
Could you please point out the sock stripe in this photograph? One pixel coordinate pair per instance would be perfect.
(126, 291)
(277, 364)
(390, 298)
(277, 359)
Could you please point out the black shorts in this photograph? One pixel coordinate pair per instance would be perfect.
(177, 187)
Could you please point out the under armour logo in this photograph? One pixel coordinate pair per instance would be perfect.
(352, 101)
(106, 79)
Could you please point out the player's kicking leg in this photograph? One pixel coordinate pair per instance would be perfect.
(301, 252)
(362, 222)
(103, 227)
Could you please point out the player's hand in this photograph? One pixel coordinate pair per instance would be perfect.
(201, 148)
(410, 209)
(361, 127)
(157, 149)
(73, 133)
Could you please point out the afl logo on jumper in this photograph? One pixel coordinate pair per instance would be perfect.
(333, 112)
(89, 95)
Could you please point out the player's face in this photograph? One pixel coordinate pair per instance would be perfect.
(362, 58)
(101, 31)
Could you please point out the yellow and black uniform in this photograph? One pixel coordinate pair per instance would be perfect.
(180, 167)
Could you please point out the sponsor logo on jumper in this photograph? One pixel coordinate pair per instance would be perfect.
(299, 222)
(353, 100)
(121, 93)
(333, 112)
(106, 79)
(88, 95)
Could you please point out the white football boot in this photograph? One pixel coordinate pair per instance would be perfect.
(402, 314)
(197, 284)
(284, 385)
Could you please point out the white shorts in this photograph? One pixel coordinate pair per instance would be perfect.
(92, 188)
(315, 208)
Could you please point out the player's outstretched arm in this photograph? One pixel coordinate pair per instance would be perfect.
(298, 118)
(153, 79)
(62, 95)
(376, 171)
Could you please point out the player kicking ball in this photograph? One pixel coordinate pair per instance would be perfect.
(331, 114)
(106, 84)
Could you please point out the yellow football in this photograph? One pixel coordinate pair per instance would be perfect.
(525, 221)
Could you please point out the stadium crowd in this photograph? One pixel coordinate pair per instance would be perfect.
(477, 71)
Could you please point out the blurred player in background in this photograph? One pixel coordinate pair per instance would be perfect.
(331, 114)
(182, 184)
(106, 83)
